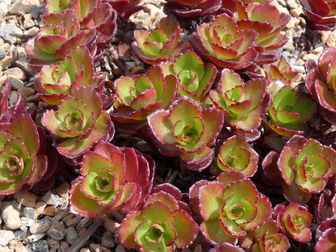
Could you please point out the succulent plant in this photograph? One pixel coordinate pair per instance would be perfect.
(244, 104)
(222, 43)
(320, 13)
(294, 220)
(306, 166)
(321, 84)
(226, 247)
(194, 77)
(55, 81)
(325, 236)
(54, 41)
(138, 96)
(78, 123)
(281, 71)
(267, 21)
(188, 136)
(288, 112)
(235, 154)
(163, 223)
(270, 172)
(191, 9)
(266, 238)
(21, 163)
(111, 178)
(160, 44)
(230, 206)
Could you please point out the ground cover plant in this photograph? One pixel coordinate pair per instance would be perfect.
(261, 172)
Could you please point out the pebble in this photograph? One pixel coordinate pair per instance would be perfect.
(2, 53)
(17, 246)
(95, 247)
(21, 233)
(29, 212)
(6, 30)
(56, 231)
(16, 83)
(120, 248)
(15, 72)
(39, 207)
(11, 217)
(5, 237)
(40, 226)
(51, 198)
(54, 244)
(71, 235)
(35, 237)
(26, 198)
(39, 246)
(108, 242)
(26, 91)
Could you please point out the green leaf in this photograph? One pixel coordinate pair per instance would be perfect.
(186, 229)
(157, 212)
(211, 200)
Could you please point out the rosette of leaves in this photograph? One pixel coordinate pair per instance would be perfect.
(235, 154)
(267, 21)
(55, 81)
(54, 41)
(326, 236)
(321, 83)
(78, 123)
(111, 178)
(138, 96)
(289, 112)
(222, 43)
(226, 247)
(22, 166)
(281, 71)
(91, 14)
(244, 104)
(230, 206)
(306, 166)
(162, 223)
(160, 44)
(294, 220)
(320, 13)
(194, 77)
(191, 9)
(188, 136)
(266, 238)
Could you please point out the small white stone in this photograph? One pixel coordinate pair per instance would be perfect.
(5, 237)
(11, 217)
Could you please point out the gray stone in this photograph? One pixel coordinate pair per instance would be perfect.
(6, 30)
(71, 235)
(21, 233)
(26, 198)
(11, 217)
(5, 237)
(16, 83)
(22, 63)
(52, 199)
(40, 226)
(29, 212)
(2, 53)
(35, 237)
(56, 231)
(40, 246)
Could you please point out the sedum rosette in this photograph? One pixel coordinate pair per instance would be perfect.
(326, 236)
(294, 220)
(112, 178)
(188, 136)
(289, 112)
(54, 41)
(235, 154)
(281, 71)
(230, 206)
(222, 43)
(55, 81)
(266, 238)
(163, 223)
(78, 123)
(21, 164)
(306, 166)
(160, 44)
(138, 96)
(194, 77)
(244, 104)
(321, 83)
